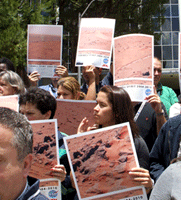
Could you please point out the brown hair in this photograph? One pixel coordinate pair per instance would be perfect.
(121, 106)
(72, 85)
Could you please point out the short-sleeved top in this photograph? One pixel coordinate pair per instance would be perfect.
(167, 96)
(168, 185)
(51, 89)
(175, 110)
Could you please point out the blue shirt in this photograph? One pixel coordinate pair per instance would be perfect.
(107, 80)
(51, 89)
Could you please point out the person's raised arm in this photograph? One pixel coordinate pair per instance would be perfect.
(91, 92)
(61, 71)
(84, 126)
(34, 77)
(155, 103)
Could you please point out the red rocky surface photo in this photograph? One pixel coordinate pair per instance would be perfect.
(102, 160)
(133, 56)
(44, 149)
(69, 114)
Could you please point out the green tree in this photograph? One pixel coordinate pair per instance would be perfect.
(15, 15)
(132, 16)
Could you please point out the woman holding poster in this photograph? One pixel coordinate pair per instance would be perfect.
(114, 107)
(69, 88)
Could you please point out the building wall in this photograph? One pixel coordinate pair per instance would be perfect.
(167, 48)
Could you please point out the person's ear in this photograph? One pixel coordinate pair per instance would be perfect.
(47, 114)
(15, 90)
(27, 164)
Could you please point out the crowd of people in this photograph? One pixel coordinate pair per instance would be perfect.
(156, 136)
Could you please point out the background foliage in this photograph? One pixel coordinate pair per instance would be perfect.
(15, 15)
(132, 16)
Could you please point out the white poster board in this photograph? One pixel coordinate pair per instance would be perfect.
(95, 42)
(133, 65)
(44, 49)
(100, 162)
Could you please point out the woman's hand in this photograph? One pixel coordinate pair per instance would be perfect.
(141, 176)
(83, 126)
(34, 77)
(61, 71)
(59, 172)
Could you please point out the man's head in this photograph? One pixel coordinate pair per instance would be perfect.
(15, 153)
(55, 80)
(157, 71)
(37, 104)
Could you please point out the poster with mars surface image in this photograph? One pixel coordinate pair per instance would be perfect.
(45, 150)
(100, 162)
(10, 101)
(69, 114)
(95, 42)
(44, 49)
(133, 64)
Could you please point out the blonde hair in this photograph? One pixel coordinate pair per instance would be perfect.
(13, 79)
(72, 85)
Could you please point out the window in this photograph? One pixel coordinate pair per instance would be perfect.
(167, 47)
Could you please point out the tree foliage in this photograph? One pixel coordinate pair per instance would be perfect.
(132, 16)
(15, 15)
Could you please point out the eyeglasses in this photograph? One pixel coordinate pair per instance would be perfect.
(158, 70)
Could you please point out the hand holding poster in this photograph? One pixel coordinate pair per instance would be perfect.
(95, 42)
(133, 65)
(69, 114)
(44, 49)
(45, 156)
(100, 161)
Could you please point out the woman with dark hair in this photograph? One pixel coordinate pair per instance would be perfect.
(114, 107)
(6, 64)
